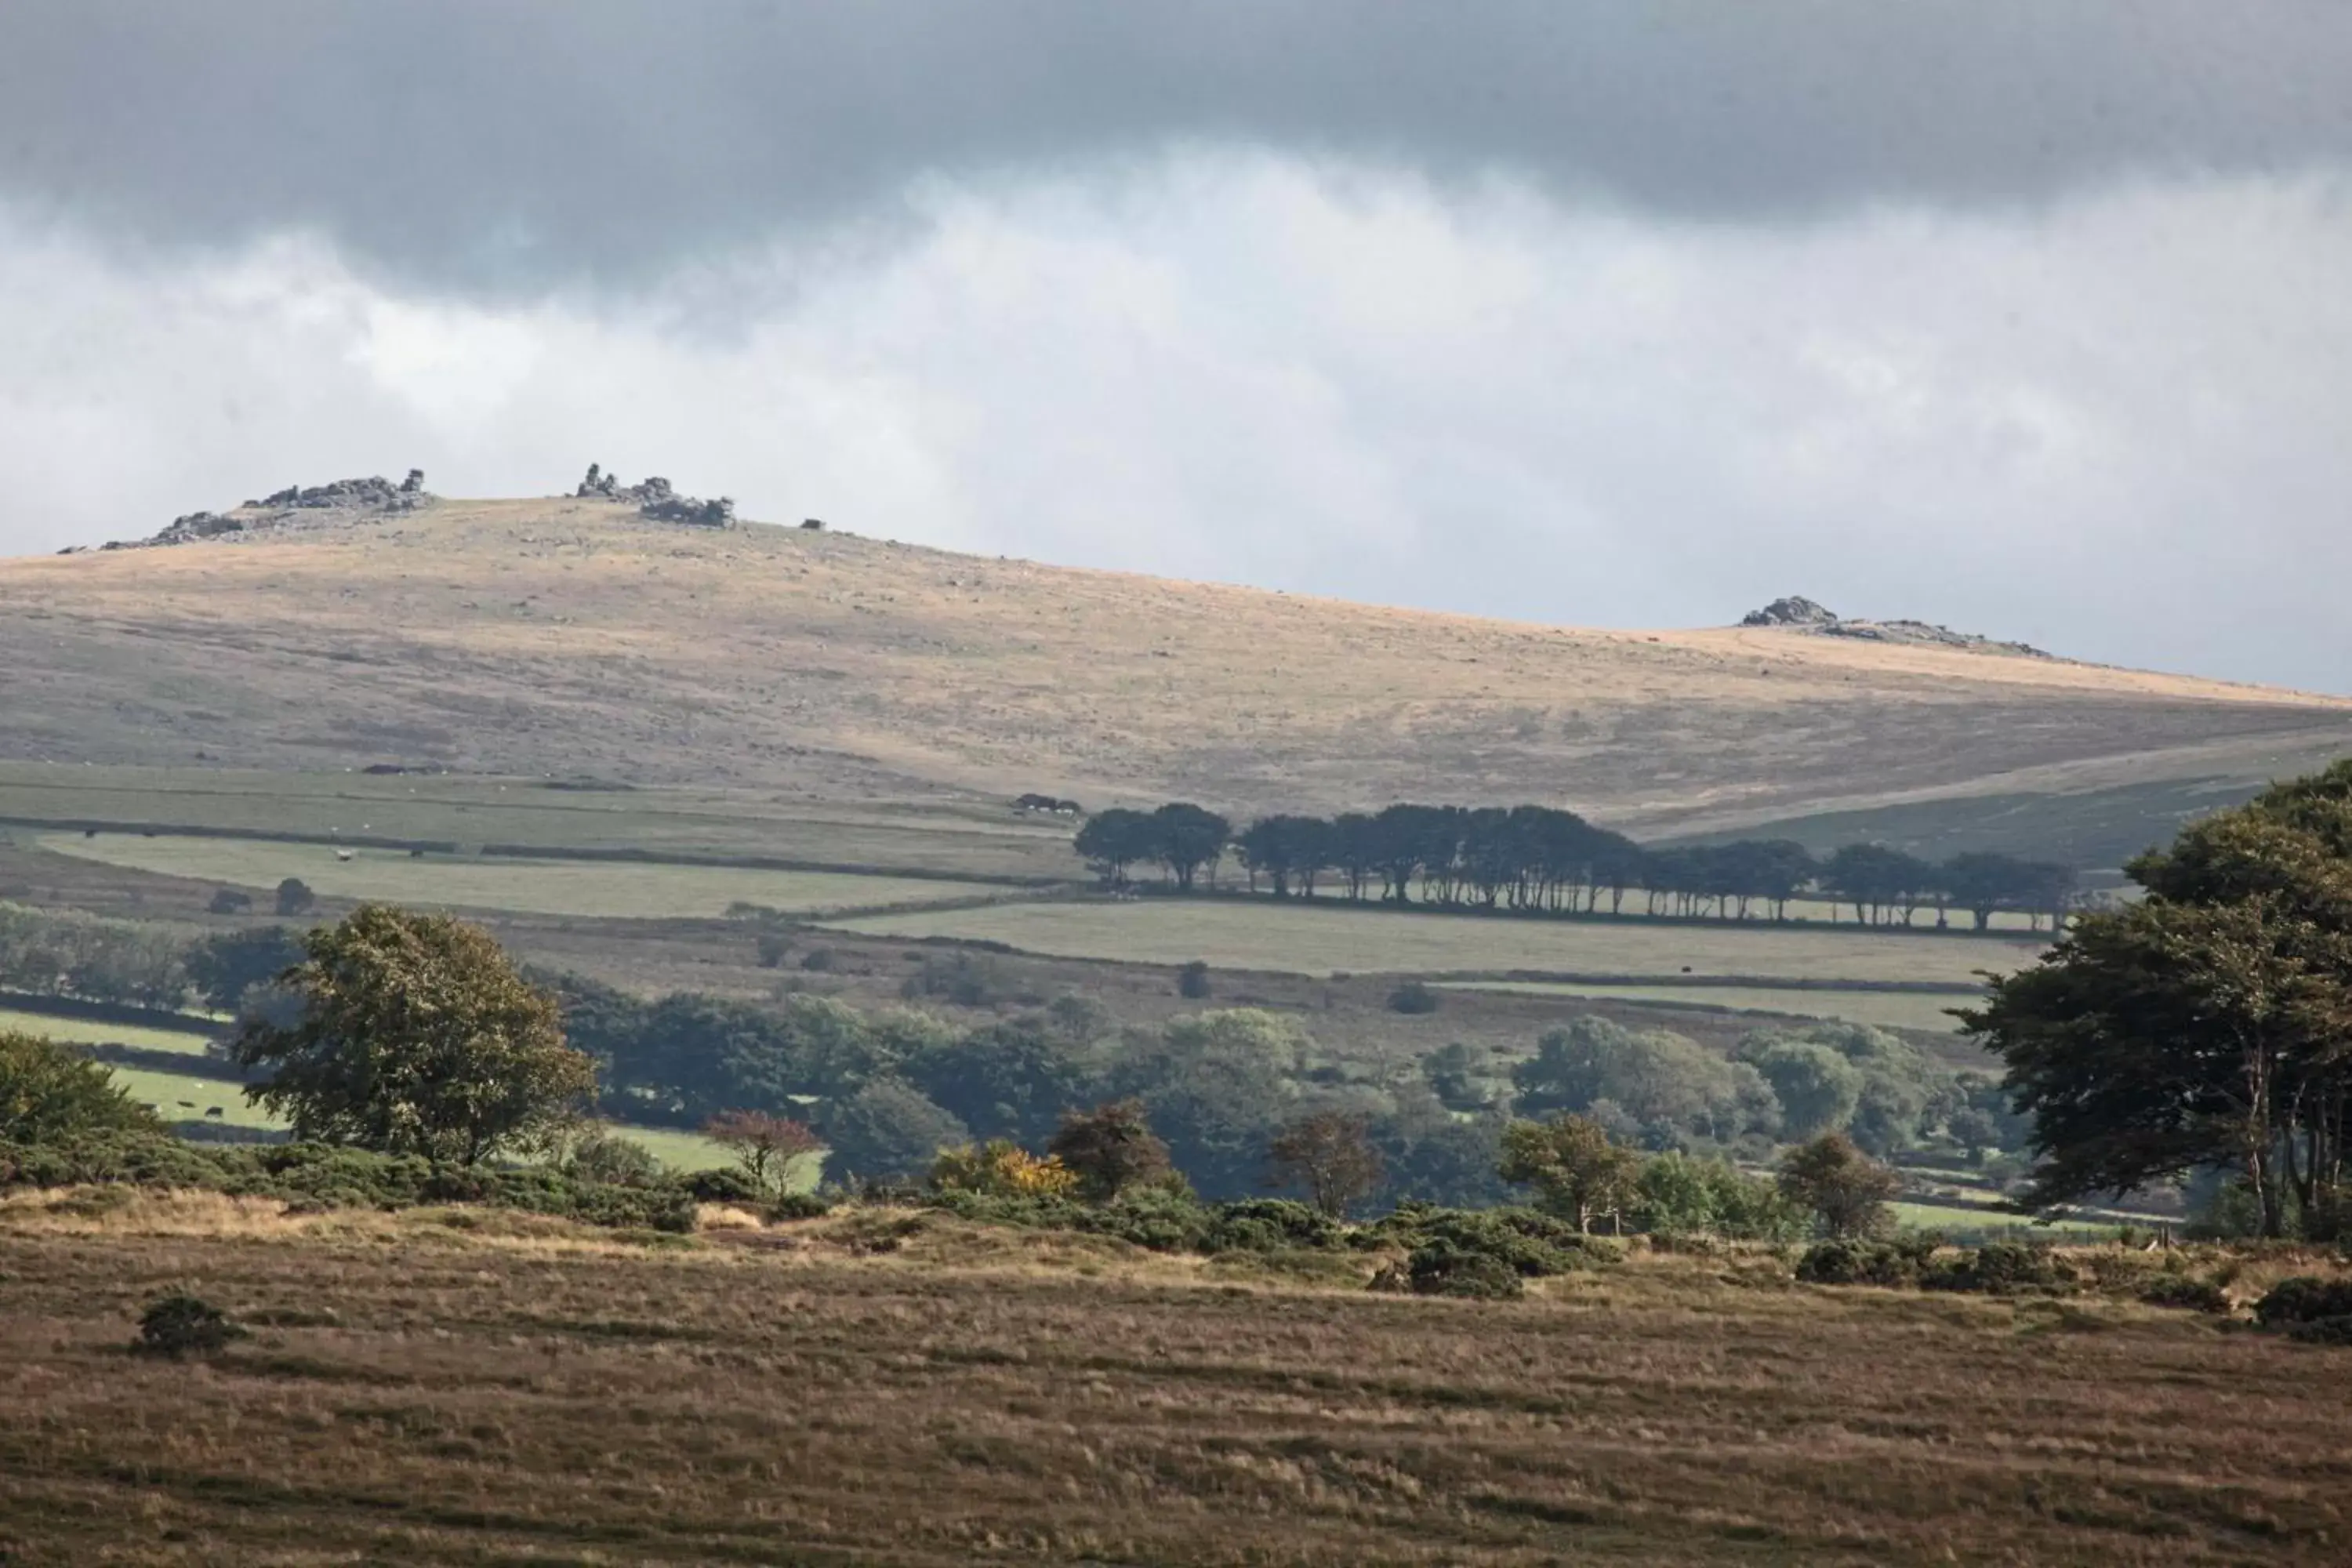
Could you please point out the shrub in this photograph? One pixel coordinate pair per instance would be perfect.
(799, 1205)
(607, 1157)
(1412, 998)
(2181, 1291)
(1532, 1244)
(1002, 1167)
(1446, 1268)
(1193, 981)
(2304, 1299)
(229, 902)
(295, 897)
(721, 1186)
(2323, 1332)
(1850, 1260)
(2003, 1268)
(1268, 1225)
(183, 1325)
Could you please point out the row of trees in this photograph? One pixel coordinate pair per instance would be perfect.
(48, 953)
(1539, 859)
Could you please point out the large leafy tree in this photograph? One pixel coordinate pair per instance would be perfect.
(2208, 1024)
(416, 1036)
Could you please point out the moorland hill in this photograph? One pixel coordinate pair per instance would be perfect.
(573, 637)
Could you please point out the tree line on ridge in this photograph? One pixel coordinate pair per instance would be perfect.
(1540, 859)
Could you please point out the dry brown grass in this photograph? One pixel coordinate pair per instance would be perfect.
(418, 1391)
(531, 636)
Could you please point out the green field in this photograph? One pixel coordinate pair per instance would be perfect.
(97, 1032)
(586, 888)
(1955, 1220)
(971, 838)
(1885, 1009)
(180, 1097)
(1232, 934)
(183, 1097)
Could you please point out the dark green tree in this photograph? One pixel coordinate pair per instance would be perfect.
(1187, 838)
(2207, 1025)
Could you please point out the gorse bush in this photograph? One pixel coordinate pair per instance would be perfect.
(1852, 1260)
(1001, 1168)
(183, 1325)
(2304, 1299)
(2003, 1268)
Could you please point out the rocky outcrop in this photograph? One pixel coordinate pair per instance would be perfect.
(291, 506)
(1798, 614)
(1792, 611)
(657, 499)
(377, 494)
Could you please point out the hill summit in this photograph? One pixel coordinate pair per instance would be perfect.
(576, 636)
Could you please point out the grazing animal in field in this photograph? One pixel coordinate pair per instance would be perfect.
(342, 854)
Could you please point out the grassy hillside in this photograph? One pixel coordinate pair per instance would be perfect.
(571, 639)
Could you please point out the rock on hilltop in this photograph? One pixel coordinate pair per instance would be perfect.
(373, 496)
(656, 499)
(1800, 613)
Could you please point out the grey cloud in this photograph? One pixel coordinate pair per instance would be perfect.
(508, 147)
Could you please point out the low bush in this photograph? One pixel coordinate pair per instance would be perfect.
(2323, 1332)
(799, 1205)
(2304, 1299)
(725, 1186)
(2183, 1291)
(1445, 1268)
(2003, 1268)
(183, 1325)
(1413, 998)
(323, 1176)
(1531, 1244)
(1894, 1263)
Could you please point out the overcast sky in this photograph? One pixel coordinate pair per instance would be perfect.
(2035, 319)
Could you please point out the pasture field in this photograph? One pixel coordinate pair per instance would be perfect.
(1885, 1009)
(577, 887)
(454, 1386)
(1330, 938)
(955, 835)
(680, 1151)
(190, 1041)
(184, 1096)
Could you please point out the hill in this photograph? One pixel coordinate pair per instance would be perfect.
(572, 638)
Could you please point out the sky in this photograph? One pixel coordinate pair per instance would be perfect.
(2030, 318)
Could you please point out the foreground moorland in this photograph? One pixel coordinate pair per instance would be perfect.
(872, 1387)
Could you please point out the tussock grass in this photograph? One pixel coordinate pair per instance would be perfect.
(526, 1391)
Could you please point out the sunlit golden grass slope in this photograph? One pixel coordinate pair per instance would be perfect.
(572, 638)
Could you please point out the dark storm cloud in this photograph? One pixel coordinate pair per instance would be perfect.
(511, 145)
